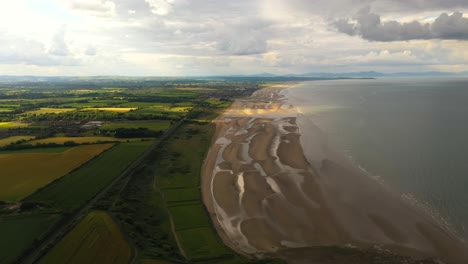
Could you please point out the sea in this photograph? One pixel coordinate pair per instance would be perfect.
(410, 134)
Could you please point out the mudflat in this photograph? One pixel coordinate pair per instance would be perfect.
(265, 198)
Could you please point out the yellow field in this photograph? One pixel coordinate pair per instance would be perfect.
(80, 140)
(50, 111)
(113, 109)
(6, 125)
(178, 109)
(96, 239)
(23, 173)
(9, 140)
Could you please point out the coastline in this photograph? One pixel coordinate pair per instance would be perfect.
(265, 198)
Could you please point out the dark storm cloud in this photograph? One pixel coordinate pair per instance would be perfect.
(424, 4)
(369, 26)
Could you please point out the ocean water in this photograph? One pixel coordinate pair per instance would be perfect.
(411, 134)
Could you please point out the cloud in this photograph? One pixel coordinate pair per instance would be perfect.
(90, 51)
(59, 47)
(418, 5)
(160, 7)
(242, 41)
(21, 51)
(91, 7)
(451, 27)
(242, 36)
(370, 27)
(340, 7)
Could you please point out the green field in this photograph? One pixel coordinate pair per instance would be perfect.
(141, 104)
(181, 194)
(24, 173)
(149, 208)
(46, 110)
(173, 112)
(96, 239)
(178, 175)
(18, 233)
(79, 140)
(203, 243)
(85, 103)
(186, 171)
(154, 125)
(81, 185)
(156, 261)
(189, 216)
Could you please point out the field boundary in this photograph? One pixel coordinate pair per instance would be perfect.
(70, 172)
(69, 221)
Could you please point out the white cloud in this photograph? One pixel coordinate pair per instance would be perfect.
(160, 7)
(91, 7)
(198, 37)
(90, 51)
(59, 46)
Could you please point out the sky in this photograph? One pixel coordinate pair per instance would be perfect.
(219, 37)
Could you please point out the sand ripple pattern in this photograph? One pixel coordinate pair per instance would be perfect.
(264, 197)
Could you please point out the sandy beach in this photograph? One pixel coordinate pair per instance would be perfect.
(266, 199)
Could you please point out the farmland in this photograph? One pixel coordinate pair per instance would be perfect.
(79, 140)
(19, 232)
(37, 150)
(154, 126)
(112, 109)
(9, 140)
(165, 189)
(96, 239)
(179, 182)
(7, 125)
(81, 185)
(105, 205)
(46, 110)
(17, 180)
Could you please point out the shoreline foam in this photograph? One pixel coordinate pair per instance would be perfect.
(284, 203)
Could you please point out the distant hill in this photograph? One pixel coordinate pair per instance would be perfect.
(366, 74)
(259, 76)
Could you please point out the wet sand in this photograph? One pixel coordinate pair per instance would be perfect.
(266, 199)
